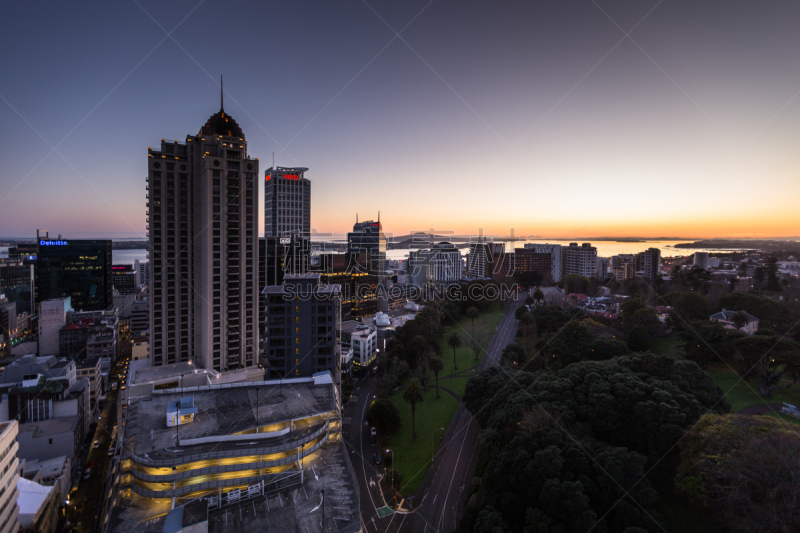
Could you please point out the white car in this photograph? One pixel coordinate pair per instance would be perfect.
(373, 432)
(87, 474)
(96, 444)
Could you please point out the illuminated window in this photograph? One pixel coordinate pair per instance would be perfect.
(297, 351)
(297, 361)
(297, 372)
(297, 309)
(297, 340)
(297, 319)
(297, 330)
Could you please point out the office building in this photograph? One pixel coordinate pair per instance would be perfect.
(140, 349)
(701, 260)
(80, 269)
(17, 283)
(142, 272)
(533, 260)
(53, 315)
(287, 202)
(358, 289)
(625, 271)
(140, 316)
(123, 279)
(580, 260)
(484, 257)
(9, 466)
(51, 404)
(554, 250)
(267, 448)
(362, 340)
(301, 330)
(366, 247)
(440, 266)
(278, 256)
(8, 318)
(90, 369)
(202, 216)
(601, 272)
(652, 263)
(38, 506)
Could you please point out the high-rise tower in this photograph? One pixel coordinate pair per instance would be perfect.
(202, 219)
(287, 202)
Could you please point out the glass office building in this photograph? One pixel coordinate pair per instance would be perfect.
(17, 283)
(80, 269)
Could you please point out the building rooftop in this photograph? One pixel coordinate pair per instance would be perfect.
(54, 426)
(222, 410)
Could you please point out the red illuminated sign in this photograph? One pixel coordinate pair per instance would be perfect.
(295, 177)
(268, 177)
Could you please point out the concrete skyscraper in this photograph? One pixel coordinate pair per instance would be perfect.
(287, 202)
(202, 219)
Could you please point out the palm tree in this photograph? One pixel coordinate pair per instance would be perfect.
(739, 319)
(413, 395)
(491, 440)
(454, 341)
(436, 365)
(472, 314)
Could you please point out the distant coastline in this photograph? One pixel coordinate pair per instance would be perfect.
(750, 244)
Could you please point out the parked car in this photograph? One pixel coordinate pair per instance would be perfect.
(378, 458)
(87, 473)
(373, 432)
(96, 445)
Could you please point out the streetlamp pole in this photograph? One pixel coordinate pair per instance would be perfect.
(432, 433)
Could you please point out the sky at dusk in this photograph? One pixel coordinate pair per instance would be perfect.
(539, 116)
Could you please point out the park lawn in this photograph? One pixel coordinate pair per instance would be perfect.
(741, 394)
(485, 326)
(413, 457)
(456, 384)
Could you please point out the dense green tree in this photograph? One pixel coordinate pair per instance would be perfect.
(630, 306)
(707, 342)
(574, 283)
(551, 318)
(513, 354)
(743, 470)
(603, 349)
(640, 401)
(384, 416)
(544, 479)
(686, 305)
(538, 295)
(772, 313)
(414, 394)
(637, 339)
(519, 311)
(766, 359)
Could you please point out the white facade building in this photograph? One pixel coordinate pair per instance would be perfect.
(9, 475)
(581, 260)
(52, 317)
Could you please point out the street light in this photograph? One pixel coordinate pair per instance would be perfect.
(392, 451)
(432, 433)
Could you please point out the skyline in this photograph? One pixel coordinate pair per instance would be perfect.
(688, 128)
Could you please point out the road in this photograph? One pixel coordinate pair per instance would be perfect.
(453, 466)
(444, 500)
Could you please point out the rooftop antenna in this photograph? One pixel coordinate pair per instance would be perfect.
(356, 218)
(273, 160)
(221, 107)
